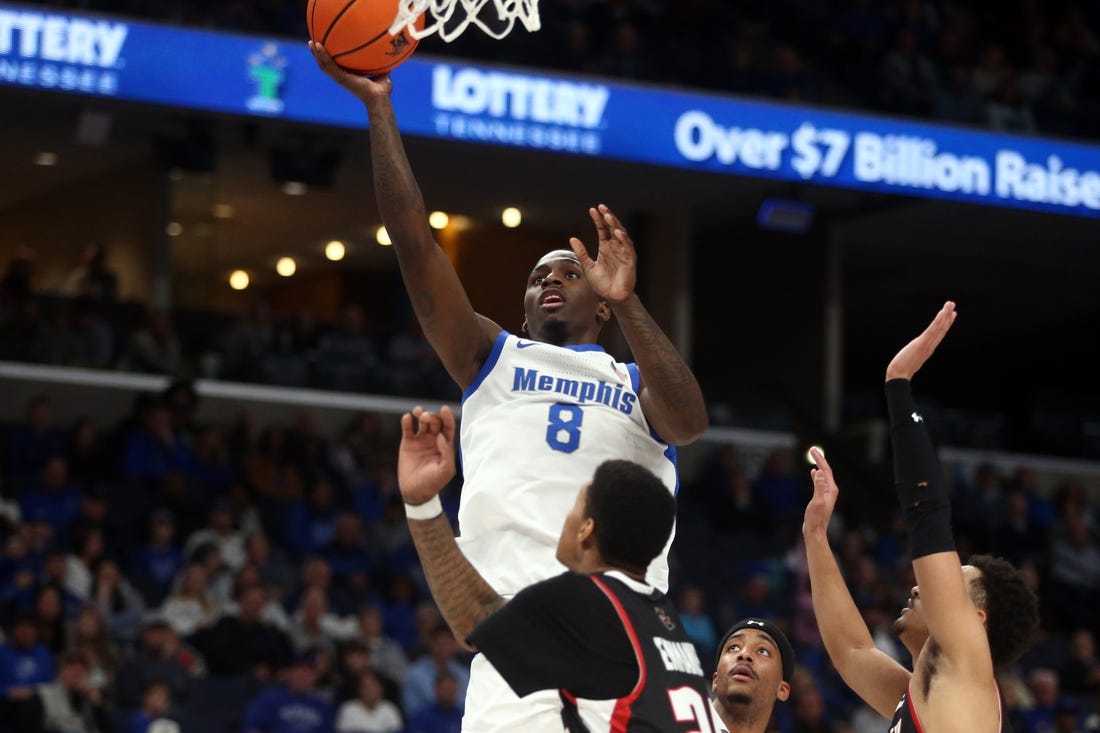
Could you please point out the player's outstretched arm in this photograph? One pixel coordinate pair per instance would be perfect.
(670, 395)
(874, 676)
(425, 465)
(950, 614)
(460, 337)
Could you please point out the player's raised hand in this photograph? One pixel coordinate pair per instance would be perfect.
(820, 509)
(426, 458)
(912, 356)
(363, 87)
(614, 271)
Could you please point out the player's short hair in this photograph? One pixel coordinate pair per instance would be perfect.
(1011, 608)
(633, 512)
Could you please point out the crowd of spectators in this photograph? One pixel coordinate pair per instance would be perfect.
(1024, 66)
(226, 576)
(83, 324)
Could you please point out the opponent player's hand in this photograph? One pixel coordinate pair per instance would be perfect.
(913, 355)
(820, 509)
(363, 87)
(426, 458)
(614, 271)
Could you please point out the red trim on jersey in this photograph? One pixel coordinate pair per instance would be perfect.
(569, 696)
(912, 709)
(621, 715)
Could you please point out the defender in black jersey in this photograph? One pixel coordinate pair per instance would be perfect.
(961, 621)
(597, 633)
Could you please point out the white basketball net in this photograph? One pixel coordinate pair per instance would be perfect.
(449, 18)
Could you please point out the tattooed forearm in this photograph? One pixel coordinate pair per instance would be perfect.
(675, 405)
(463, 596)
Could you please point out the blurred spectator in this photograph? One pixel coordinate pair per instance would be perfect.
(1039, 718)
(25, 663)
(155, 348)
(222, 533)
(696, 622)
(17, 284)
(121, 605)
(90, 457)
(314, 627)
(443, 712)
(347, 357)
(93, 279)
(308, 448)
(810, 714)
(242, 643)
(54, 500)
(421, 691)
(213, 469)
(1075, 574)
(49, 611)
(295, 707)
(89, 549)
(156, 706)
(245, 344)
(190, 606)
(154, 449)
(347, 553)
(368, 712)
(276, 573)
(158, 656)
(71, 704)
(781, 493)
(31, 444)
(156, 564)
(88, 634)
(1014, 536)
(311, 522)
(1007, 110)
(908, 79)
(1080, 675)
(89, 340)
(273, 612)
(386, 654)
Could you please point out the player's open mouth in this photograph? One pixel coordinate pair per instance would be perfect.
(742, 672)
(551, 299)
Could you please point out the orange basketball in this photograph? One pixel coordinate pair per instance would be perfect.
(356, 33)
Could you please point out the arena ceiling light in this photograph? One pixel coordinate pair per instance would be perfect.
(239, 280)
(286, 266)
(439, 220)
(383, 237)
(45, 158)
(511, 217)
(335, 250)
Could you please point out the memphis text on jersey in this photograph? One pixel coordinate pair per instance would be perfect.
(582, 390)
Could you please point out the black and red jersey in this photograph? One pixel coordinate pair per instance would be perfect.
(601, 637)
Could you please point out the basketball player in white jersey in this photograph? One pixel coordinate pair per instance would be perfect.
(541, 409)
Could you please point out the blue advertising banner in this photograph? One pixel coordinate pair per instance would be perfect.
(245, 75)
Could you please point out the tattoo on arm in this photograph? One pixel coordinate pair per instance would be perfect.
(667, 376)
(463, 596)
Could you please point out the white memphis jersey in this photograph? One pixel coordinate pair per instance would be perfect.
(536, 423)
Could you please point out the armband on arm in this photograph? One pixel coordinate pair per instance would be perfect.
(918, 478)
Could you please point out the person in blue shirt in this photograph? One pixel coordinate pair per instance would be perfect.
(53, 500)
(32, 443)
(156, 703)
(25, 663)
(294, 707)
(444, 714)
(419, 689)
